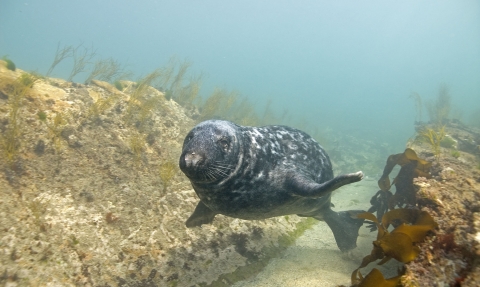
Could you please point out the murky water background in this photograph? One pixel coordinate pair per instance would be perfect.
(348, 66)
(345, 71)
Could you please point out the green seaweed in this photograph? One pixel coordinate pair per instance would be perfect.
(10, 139)
(9, 63)
(218, 104)
(81, 58)
(439, 109)
(147, 106)
(136, 142)
(139, 105)
(55, 126)
(167, 171)
(106, 70)
(230, 106)
(42, 115)
(448, 142)
(185, 95)
(38, 209)
(119, 85)
(26, 80)
(60, 55)
(455, 153)
(418, 106)
(244, 113)
(175, 85)
(101, 105)
(433, 136)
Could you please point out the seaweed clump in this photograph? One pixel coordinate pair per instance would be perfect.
(9, 140)
(106, 70)
(167, 171)
(411, 226)
(435, 137)
(439, 109)
(411, 166)
(9, 63)
(55, 125)
(60, 55)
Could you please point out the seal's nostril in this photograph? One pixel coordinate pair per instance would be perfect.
(192, 159)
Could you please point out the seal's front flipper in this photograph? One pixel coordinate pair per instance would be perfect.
(201, 215)
(306, 187)
(345, 226)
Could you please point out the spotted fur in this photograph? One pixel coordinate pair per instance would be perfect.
(260, 172)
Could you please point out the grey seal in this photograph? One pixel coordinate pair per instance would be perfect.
(261, 172)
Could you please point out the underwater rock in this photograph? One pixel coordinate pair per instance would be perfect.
(77, 208)
(451, 196)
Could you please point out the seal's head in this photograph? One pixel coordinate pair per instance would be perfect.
(210, 151)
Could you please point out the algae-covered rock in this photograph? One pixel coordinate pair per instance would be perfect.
(79, 205)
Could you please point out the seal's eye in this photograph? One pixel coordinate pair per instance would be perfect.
(224, 144)
(188, 138)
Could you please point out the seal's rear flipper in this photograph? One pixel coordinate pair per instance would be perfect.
(201, 215)
(345, 226)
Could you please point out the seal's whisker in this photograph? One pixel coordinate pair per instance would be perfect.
(218, 174)
(219, 167)
(219, 170)
(225, 167)
(212, 176)
(223, 164)
(206, 175)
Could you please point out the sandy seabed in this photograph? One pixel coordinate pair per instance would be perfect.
(315, 260)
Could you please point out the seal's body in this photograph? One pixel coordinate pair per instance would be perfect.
(261, 172)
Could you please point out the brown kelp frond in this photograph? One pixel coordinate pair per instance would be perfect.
(374, 279)
(411, 167)
(404, 215)
(369, 216)
(408, 156)
(412, 226)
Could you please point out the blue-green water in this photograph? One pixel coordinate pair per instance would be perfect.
(344, 65)
(107, 208)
